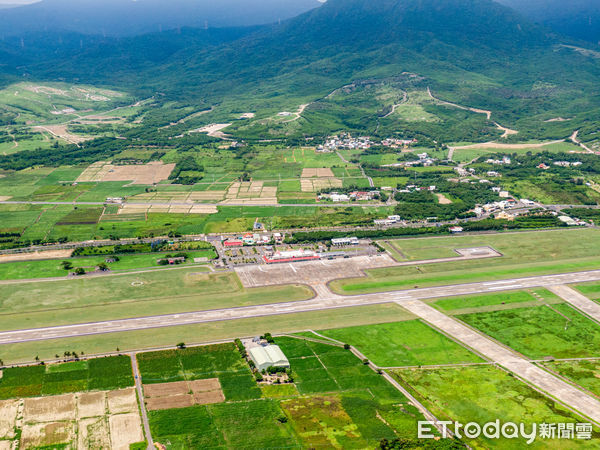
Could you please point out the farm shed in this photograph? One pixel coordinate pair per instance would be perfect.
(269, 356)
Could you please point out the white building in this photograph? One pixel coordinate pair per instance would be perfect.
(345, 241)
(336, 198)
(269, 356)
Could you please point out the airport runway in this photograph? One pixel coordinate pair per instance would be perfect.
(323, 301)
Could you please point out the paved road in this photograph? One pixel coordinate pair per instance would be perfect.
(138, 387)
(323, 301)
(524, 369)
(578, 300)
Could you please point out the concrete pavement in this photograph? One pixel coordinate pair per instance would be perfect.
(578, 300)
(555, 387)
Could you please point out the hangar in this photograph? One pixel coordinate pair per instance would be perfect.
(269, 356)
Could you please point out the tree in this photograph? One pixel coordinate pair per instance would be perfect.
(80, 271)
(67, 265)
(181, 345)
(346, 346)
(103, 267)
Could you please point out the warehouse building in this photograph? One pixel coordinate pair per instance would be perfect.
(269, 356)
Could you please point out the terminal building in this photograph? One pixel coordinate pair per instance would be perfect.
(291, 256)
(269, 356)
(345, 241)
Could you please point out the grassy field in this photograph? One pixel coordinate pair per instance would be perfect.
(409, 343)
(336, 402)
(208, 332)
(495, 302)
(585, 373)
(86, 375)
(53, 267)
(43, 303)
(483, 394)
(524, 254)
(590, 290)
(541, 332)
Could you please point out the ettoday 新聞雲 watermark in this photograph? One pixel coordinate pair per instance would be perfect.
(507, 430)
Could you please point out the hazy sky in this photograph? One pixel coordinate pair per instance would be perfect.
(16, 2)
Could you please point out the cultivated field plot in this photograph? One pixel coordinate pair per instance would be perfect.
(410, 343)
(104, 419)
(523, 254)
(249, 193)
(324, 172)
(541, 332)
(221, 361)
(485, 393)
(316, 179)
(87, 375)
(166, 197)
(180, 394)
(309, 272)
(339, 402)
(151, 173)
(129, 209)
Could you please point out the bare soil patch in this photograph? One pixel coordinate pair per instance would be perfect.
(50, 254)
(324, 172)
(91, 404)
(181, 394)
(4, 198)
(125, 429)
(151, 173)
(171, 402)
(8, 417)
(47, 409)
(61, 132)
(46, 434)
(443, 200)
(122, 401)
(93, 433)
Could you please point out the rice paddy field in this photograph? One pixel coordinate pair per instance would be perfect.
(58, 378)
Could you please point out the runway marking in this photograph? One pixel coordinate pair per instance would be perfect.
(293, 268)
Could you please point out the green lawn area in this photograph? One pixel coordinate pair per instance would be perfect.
(542, 331)
(86, 375)
(35, 304)
(206, 332)
(493, 302)
(410, 343)
(524, 254)
(52, 268)
(590, 290)
(585, 373)
(484, 394)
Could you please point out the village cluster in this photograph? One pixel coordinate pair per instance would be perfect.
(345, 141)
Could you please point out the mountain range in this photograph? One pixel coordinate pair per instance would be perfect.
(475, 51)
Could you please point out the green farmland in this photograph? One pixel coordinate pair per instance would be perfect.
(339, 402)
(86, 375)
